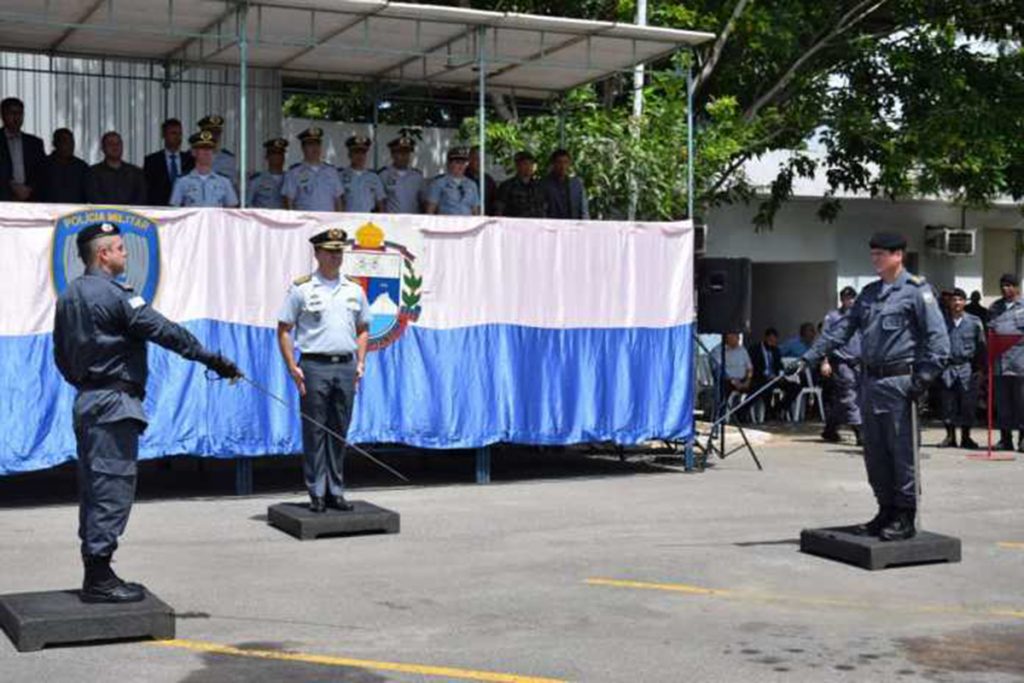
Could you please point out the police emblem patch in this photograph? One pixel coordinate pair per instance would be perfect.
(386, 272)
(140, 240)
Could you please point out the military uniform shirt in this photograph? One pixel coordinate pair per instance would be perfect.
(454, 196)
(363, 189)
(518, 198)
(312, 188)
(403, 189)
(265, 190)
(225, 163)
(966, 344)
(1008, 318)
(325, 314)
(196, 189)
(851, 350)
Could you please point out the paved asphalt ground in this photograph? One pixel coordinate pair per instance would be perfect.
(567, 568)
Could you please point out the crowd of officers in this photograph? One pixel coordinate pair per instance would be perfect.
(207, 175)
(957, 390)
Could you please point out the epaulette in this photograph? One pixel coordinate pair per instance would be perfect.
(295, 165)
(227, 152)
(302, 280)
(123, 285)
(917, 279)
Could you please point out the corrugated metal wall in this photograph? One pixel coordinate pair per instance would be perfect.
(92, 96)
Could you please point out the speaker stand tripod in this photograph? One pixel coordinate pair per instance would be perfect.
(723, 417)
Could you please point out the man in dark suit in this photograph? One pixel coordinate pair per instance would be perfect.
(767, 362)
(22, 156)
(164, 167)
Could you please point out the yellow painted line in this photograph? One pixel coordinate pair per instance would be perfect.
(812, 601)
(1010, 545)
(416, 669)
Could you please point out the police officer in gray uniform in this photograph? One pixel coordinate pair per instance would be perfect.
(403, 184)
(364, 190)
(904, 346)
(203, 186)
(841, 370)
(312, 185)
(265, 188)
(100, 334)
(453, 193)
(1006, 317)
(958, 386)
(331, 319)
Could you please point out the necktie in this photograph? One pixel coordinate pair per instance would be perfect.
(174, 168)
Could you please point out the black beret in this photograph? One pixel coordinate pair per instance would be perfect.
(890, 241)
(95, 230)
(1008, 279)
(331, 240)
(959, 292)
(848, 291)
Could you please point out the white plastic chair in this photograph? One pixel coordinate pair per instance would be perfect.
(799, 407)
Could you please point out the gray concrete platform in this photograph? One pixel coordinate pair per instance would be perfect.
(34, 620)
(299, 521)
(868, 552)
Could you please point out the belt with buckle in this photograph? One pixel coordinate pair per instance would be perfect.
(891, 370)
(328, 357)
(131, 388)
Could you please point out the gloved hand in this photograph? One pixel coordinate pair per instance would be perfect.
(918, 387)
(223, 367)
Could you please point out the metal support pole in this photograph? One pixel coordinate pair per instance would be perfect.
(690, 147)
(481, 60)
(483, 465)
(375, 125)
(243, 101)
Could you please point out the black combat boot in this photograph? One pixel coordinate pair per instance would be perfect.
(873, 527)
(101, 584)
(339, 503)
(1005, 441)
(856, 435)
(900, 527)
(830, 434)
(316, 504)
(950, 440)
(966, 441)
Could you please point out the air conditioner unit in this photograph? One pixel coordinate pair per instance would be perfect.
(950, 241)
(700, 239)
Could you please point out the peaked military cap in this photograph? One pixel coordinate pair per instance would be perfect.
(358, 142)
(331, 240)
(890, 241)
(402, 142)
(276, 145)
(211, 122)
(202, 140)
(312, 134)
(458, 153)
(94, 231)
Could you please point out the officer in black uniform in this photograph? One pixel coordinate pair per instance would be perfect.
(100, 334)
(904, 346)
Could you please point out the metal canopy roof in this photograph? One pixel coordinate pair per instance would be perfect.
(371, 40)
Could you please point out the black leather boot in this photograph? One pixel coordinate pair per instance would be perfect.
(339, 503)
(950, 440)
(1005, 441)
(900, 527)
(856, 435)
(101, 584)
(966, 441)
(316, 504)
(873, 527)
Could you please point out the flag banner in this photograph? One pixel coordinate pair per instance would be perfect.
(484, 330)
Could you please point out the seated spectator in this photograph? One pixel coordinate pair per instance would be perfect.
(65, 173)
(202, 186)
(163, 168)
(767, 365)
(452, 193)
(522, 195)
(22, 156)
(739, 370)
(490, 187)
(797, 346)
(564, 194)
(113, 180)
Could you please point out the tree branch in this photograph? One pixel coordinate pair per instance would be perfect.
(858, 13)
(716, 51)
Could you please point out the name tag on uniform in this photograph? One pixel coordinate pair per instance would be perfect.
(136, 302)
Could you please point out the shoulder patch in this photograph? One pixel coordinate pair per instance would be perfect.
(136, 302)
(928, 297)
(302, 280)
